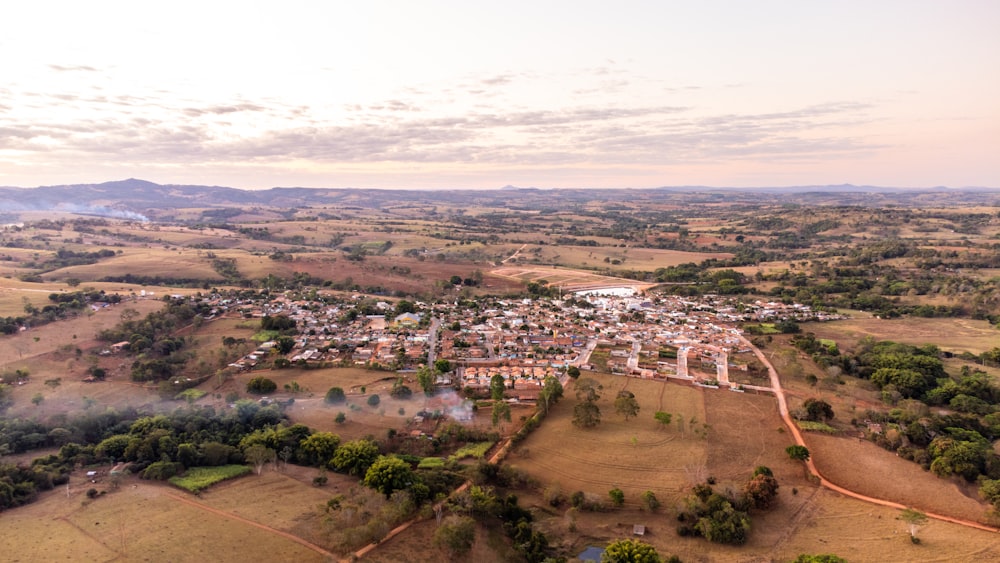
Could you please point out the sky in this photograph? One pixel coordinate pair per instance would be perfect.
(548, 94)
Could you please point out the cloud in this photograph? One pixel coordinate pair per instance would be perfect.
(73, 68)
(157, 129)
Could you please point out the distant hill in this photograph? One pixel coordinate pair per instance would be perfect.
(135, 198)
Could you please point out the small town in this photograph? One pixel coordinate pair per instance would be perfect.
(524, 340)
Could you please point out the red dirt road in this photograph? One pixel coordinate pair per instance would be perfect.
(783, 409)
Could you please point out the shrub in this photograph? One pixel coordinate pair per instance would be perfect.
(261, 386)
(374, 400)
(335, 396)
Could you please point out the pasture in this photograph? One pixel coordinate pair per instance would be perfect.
(143, 521)
(950, 334)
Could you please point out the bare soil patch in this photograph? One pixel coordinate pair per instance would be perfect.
(861, 466)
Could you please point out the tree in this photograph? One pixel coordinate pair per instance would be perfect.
(797, 452)
(425, 377)
(587, 389)
(626, 404)
(284, 344)
(442, 365)
(914, 520)
(340, 418)
(573, 372)
(989, 489)
(817, 410)
(261, 385)
(501, 413)
(389, 474)
(617, 496)
(630, 551)
(761, 490)
(319, 447)
(258, 455)
(586, 415)
(37, 399)
(374, 400)
(497, 387)
(355, 457)
(400, 391)
(663, 418)
(335, 396)
(456, 534)
(649, 501)
(552, 391)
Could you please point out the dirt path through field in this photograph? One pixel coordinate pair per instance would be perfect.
(231, 516)
(783, 409)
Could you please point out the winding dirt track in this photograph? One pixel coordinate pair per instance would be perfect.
(783, 409)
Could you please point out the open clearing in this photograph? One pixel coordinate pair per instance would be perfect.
(120, 526)
(952, 335)
(569, 280)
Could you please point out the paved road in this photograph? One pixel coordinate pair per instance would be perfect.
(432, 341)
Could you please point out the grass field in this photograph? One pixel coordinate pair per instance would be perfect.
(197, 479)
(118, 526)
(953, 335)
(635, 456)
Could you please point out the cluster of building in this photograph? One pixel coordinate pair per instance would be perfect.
(522, 340)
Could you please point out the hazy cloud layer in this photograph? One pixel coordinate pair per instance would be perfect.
(153, 129)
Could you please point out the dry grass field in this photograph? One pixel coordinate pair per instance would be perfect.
(647, 259)
(634, 456)
(952, 335)
(146, 522)
(570, 280)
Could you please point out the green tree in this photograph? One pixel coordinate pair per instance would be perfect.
(355, 457)
(425, 377)
(501, 413)
(497, 387)
(261, 385)
(400, 391)
(663, 418)
(586, 415)
(37, 399)
(456, 534)
(284, 344)
(573, 372)
(626, 404)
(797, 452)
(374, 400)
(552, 391)
(318, 448)
(649, 501)
(989, 489)
(617, 496)
(340, 418)
(335, 396)
(389, 474)
(630, 551)
(442, 365)
(817, 410)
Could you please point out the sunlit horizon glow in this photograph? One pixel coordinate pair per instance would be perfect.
(442, 94)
